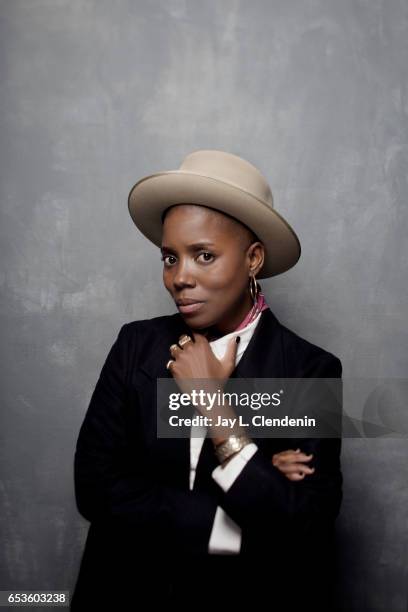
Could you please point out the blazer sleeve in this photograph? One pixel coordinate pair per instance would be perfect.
(111, 486)
(263, 497)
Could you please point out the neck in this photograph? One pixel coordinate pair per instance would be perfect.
(228, 323)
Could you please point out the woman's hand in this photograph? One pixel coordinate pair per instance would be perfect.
(290, 463)
(197, 360)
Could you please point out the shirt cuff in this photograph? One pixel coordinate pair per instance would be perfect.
(225, 476)
(225, 536)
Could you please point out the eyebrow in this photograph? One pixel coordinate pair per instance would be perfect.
(191, 247)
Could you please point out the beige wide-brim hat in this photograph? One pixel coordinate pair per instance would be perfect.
(227, 183)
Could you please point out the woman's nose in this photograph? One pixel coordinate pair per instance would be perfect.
(183, 275)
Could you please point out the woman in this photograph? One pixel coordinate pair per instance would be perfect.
(213, 518)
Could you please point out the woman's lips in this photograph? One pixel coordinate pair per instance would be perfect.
(190, 308)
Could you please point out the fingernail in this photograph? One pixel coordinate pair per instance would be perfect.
(237, 339)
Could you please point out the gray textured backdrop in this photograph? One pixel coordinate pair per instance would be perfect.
(97, 93)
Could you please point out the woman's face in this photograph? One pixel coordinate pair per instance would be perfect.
(208, 257)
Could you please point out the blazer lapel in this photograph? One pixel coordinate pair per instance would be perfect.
(154, 365)
(171, 456)
(263, 357)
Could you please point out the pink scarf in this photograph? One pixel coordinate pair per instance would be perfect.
(254, 312)
(249, 317)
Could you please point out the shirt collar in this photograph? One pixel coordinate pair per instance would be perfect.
(219, 346)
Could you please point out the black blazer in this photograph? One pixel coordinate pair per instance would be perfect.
(134, 487)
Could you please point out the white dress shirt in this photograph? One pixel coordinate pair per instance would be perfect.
(226, 534)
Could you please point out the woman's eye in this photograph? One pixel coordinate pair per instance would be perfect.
(165, 257)
(206, 253)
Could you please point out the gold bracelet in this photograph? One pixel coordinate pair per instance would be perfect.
(232, 445)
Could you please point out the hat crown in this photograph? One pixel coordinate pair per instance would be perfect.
(229, 168)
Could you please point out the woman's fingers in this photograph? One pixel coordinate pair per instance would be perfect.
(291, 452)
(296, 473)
(292, 464)
(291, 468)
(295, 476)
(291, 457)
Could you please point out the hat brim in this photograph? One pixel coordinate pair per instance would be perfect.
(153, 194)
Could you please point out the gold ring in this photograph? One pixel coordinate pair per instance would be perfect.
(169, 362)
(174, 346)
(184, 339)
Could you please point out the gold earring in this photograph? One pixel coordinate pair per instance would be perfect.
(253, 289)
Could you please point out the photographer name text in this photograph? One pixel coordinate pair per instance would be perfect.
(256, 421)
